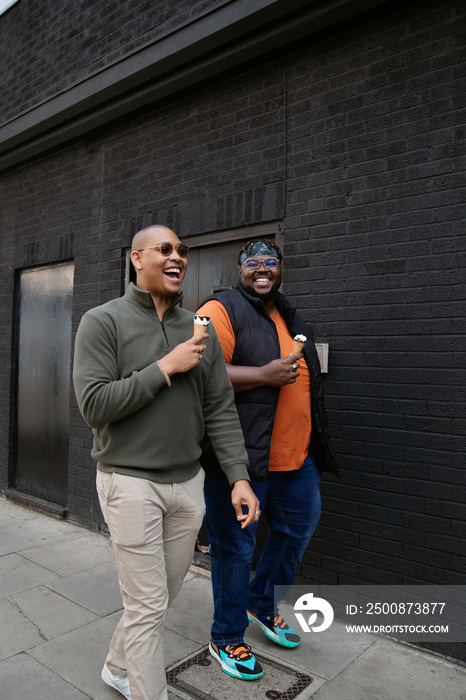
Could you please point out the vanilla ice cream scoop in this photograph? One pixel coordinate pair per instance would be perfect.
(298, 344)
(200, 324)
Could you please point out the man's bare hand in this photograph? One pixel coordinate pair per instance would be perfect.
(281, 372)
(243, 495)
(185, 356)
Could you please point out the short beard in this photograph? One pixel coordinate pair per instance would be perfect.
(268, 296)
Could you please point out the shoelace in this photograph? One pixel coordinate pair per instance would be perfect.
(278, 621)
(239, 651)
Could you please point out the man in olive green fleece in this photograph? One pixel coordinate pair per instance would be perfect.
(150, 392)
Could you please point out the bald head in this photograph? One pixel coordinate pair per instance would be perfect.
(145, 236)
(157, 272)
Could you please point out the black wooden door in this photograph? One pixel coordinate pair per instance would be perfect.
(212, 268)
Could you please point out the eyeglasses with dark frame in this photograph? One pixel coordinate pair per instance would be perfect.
(167, 249)
(268, 263)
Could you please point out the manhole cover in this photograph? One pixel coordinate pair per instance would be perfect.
(201, 677)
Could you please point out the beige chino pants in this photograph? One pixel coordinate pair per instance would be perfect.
(153, 528)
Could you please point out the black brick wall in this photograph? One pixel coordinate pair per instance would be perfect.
(48, 47)
(356, 142)
(375, 249)
(50, 212)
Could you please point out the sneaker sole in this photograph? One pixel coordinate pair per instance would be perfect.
(273, 637)
(230, 671)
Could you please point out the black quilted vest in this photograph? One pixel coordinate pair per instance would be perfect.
(256, 345)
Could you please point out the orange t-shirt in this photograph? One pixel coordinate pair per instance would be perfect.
(292, 426)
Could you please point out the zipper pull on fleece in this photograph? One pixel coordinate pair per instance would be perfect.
(164, 333)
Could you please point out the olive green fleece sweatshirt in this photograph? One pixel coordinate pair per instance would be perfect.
(142, 427)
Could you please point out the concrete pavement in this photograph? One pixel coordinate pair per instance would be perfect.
(59, 604)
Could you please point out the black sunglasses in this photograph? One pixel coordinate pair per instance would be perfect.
(167, 249)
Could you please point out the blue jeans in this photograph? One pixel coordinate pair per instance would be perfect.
(291, 504)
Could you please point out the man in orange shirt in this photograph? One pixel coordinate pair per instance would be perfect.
(279, 398)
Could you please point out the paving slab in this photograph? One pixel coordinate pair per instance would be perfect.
(19, 574)
(15, 513)
(17, 632)
(60, 603)
(51, 613)
(79, 655)
(23, 678)
(96, 589)
(324, 655)
(76, 553)
(391, 671)
(194, 600)
(177, 647)
(17, 536)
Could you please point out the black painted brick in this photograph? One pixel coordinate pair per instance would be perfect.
(360, 152)
(51, 47)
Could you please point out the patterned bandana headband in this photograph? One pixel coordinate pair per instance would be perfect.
(260, 247)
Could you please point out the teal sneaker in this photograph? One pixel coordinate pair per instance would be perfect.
(276, 629)
(120, 684)
(237, 660)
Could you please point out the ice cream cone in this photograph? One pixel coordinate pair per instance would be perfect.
(200, 324)
(298, 344)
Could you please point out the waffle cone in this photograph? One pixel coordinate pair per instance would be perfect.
(297, 347)
(200, 324)
(198, 329)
